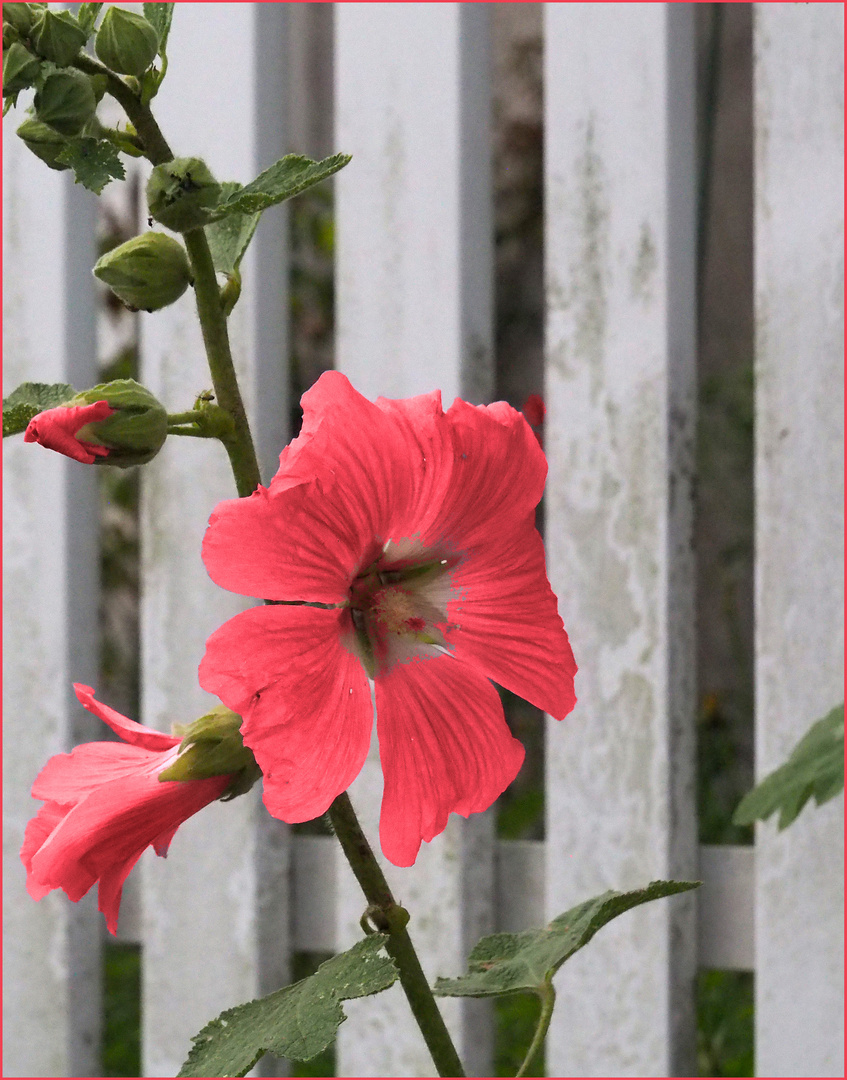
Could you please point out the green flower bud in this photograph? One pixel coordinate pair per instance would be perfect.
(22, 16)
(10, 36)
(212, 746)
(148, 272)
(66, 102)
(44, 142)
(20, 68)
(137, 429)
(181, 194)
(57, 36)
(126, 42)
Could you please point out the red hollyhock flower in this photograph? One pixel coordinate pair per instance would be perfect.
(62, 429)
(104, 804)
(402, 540)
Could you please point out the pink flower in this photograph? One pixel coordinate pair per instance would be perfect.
(62, 429)
(103, 805)
(402, 539)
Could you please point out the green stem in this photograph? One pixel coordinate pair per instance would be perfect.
(156, 149)
(192, 432)
(389, 918)
(547, 993)
(190, 417)
(239, 446)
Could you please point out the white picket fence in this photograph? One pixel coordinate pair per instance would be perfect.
(219, 920)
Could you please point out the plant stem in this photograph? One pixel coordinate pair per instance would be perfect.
(547, 993)
(239, 445)
(390, 918)
(156, 149)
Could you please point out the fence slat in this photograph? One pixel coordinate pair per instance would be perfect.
(414, 312)
(216, 916)
(620, 423)
(51, 1004)
(799, 274)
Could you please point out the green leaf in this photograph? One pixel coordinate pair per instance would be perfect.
(230, 236)
(95, 162)
(28, 400)
(161, 16)
(508, 963)
(296, 1022)
(87, 16)
(283, 180)
(815, 768)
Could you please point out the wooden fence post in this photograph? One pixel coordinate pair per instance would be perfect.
(620, 243)
(51, 966)
(216, 915)
(414, 313)
(799, 278)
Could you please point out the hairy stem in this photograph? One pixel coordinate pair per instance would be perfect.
(547, 994)
(391, 919)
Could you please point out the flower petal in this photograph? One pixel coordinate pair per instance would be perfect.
(444, 747)
(56, 429)
(497, 477)
(304, 698)
(129, 730)
(106, 833)
(66, 779)
(507, 622)
(342, 485)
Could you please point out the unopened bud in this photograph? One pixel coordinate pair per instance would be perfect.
(212, 746)
(66, 102)
(44, 142)
(22, 16)
(136, 429)
(20, 68)
(182, 193)
(126, 42)
(57, 36)
(148, 272)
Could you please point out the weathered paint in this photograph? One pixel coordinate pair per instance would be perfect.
(799, 279)
(619, 392)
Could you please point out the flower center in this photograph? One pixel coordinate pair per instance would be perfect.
(399, 606)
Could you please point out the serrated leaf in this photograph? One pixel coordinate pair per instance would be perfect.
(87, 16)
(283, 180)
(161, 16)
(508, 963)
(230, 237)
(28, 400)
(296, 1022)
(815, 768)
(95, 162)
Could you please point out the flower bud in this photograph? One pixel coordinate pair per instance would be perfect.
(181, 193)
(57, 36)
(148, 272)
(135, 430)
(126, 42)
(44, 142)
(20, 68)
(22, 16)
(212, 746)
(66, 102)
